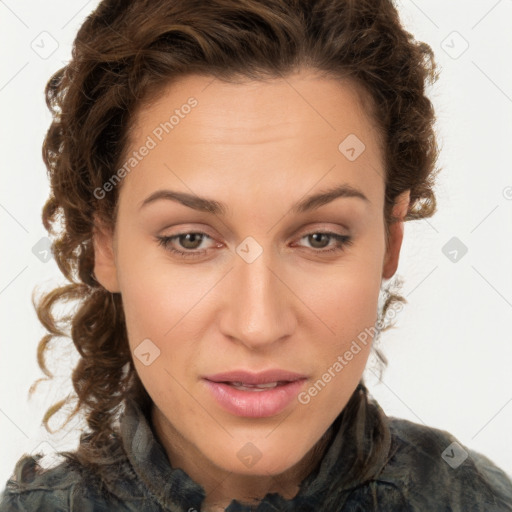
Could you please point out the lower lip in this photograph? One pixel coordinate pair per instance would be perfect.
(255, 404)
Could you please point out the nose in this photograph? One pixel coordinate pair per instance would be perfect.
(258, 305)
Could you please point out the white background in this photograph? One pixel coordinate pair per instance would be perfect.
(451, 353)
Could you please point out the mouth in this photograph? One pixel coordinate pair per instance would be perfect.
(247, 378)
(255, 387)
(255, 395)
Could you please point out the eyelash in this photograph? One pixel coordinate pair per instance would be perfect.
(342, 241)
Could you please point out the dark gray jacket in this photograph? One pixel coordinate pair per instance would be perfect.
(414, 468)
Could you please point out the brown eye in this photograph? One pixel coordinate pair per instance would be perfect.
(190, 240)
(315, 238)
(320, 239)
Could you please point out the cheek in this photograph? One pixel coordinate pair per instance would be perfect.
(156, 294)
(351, 316)
(350, 311)
(160, 302)
(347, 304)
(157, 303)
(347, 301)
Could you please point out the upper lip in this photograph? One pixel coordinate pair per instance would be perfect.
(247, 377)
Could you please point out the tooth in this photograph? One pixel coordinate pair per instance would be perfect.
(253, 387)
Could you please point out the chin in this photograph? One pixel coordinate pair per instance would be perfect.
(251, 459)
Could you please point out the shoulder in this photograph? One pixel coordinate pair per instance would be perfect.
(64, 487)
(33, 488)
(432, 468)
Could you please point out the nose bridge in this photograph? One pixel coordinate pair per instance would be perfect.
(258, 305)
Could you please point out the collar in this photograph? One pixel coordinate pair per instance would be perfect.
(356, 452)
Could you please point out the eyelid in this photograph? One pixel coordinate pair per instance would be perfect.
(318, 227)
(341, 243)
(304, 232)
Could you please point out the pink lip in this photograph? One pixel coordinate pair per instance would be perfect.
(255, 404)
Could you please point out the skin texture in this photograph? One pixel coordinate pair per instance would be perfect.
(259, 147)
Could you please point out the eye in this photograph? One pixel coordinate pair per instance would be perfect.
(188, 240)
(341, 241)
(191, 240)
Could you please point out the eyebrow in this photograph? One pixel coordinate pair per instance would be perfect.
(207, 205)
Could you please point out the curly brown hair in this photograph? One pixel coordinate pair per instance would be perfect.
(126, 52)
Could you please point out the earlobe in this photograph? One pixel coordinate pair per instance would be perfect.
(105, 269)
(396, 234)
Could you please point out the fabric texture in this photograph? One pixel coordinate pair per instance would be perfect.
(402, 466)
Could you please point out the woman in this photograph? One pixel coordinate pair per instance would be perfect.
(233, 179)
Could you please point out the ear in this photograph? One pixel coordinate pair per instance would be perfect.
(396, 235)
(105, 269)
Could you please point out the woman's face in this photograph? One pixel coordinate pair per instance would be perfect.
(259, 288)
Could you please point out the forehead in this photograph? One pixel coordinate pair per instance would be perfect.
(284, 132)
(243, 108)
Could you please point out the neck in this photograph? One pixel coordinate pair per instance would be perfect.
(221, 486)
